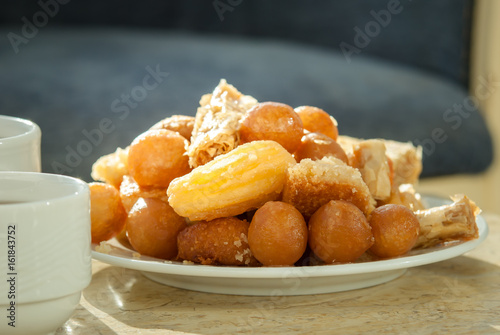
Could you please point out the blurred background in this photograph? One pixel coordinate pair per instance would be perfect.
(96, 74)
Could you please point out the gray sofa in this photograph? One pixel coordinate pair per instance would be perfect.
(97, 74)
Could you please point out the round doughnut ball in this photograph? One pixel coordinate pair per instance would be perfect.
(317, 120)
(221, 241)
(107, 215)
(158, 156)
(395, 229)
(317, 145)
(182, 124)
(339, 232)
(152, 228)
(272, 121)
(278, 234)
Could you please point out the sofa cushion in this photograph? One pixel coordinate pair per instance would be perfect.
(92, 90)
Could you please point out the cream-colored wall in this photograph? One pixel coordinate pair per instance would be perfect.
(485, 86)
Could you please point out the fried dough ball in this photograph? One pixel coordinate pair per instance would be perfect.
(221, 241)
(182, 124)
(395, 229)
(278, 234)
(317, 145)
(317, 120)
(107, 214)
(339, 232)
(130, 192)
(272, 121)
(158, 156)
(152, 228)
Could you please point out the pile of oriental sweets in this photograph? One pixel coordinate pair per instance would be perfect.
(248, 183)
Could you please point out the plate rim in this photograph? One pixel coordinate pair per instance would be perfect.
(150, 264)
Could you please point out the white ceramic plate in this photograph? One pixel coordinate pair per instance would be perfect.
(284, 280)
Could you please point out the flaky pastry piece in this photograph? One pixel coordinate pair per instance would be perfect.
(406, 158)
(369, 157)
(311, 184)
(454, 222)
(111, 168)
(217, 122)
(243, 179)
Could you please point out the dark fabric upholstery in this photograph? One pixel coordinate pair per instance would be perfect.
(75, 83)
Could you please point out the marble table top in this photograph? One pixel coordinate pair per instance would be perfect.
(458, 296)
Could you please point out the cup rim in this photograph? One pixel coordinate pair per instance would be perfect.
(80, 187)
(32, 129)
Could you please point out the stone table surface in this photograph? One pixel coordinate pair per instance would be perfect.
(458, 296)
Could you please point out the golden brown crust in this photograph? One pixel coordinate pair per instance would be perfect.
(406, 158)
(217, 122)
(454, 222)
(369, 157)
(182, 124)
(233, 183)
(222, 241)
(311, 184)
(130, 192)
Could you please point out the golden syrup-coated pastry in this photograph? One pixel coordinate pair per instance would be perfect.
(152, 228)
(405, 195)
(316, 146)
(107, 215)
(369, 157)
(278, 234)
(223, 241)
(317, 120)
(243, 179)
(111, 168)
(453, 222)
(339, 232)
(272, 121)
(217, 122)
(158, 156)
(182, 124)
(395, 229)
(311, 184)
(406, 158)
(130, 192)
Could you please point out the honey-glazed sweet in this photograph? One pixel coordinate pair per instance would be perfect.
(233, 183)
(278, 234)
(223, 241)
(339, 232)
(311, 184)
(272, 121)
(182, 124)
(316, 120)
(217, 122)
(107, 215)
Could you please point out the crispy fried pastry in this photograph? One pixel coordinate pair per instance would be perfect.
(405, 195)
(222, 241)
(130, 192)
(182, 124)
(111, 168)
(217, 122)
(406, 158)
(243, 179)
(311, 184)
(369, 157)
(454, 222)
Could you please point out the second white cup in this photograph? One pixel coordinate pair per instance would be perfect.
(19, 145)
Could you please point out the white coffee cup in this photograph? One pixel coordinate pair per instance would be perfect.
(19, 145)
(45, 243)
